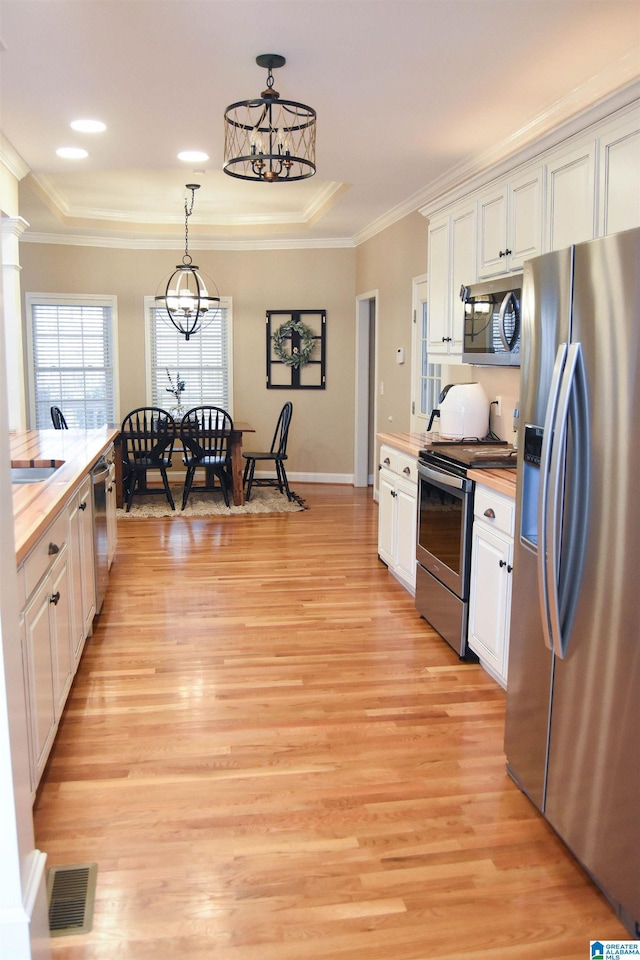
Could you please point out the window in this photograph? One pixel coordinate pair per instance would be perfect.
(204, 361)
(71, 340)
(426, 383)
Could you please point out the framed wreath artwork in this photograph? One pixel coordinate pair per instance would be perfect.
(296, 341)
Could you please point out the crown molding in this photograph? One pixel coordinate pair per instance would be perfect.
(545, 131)
(588, 104)
(127, 243)
(57, 202)
(11, 159)
(531, 141)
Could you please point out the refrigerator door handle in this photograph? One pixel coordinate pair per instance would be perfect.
(548, 439)
(566, 511)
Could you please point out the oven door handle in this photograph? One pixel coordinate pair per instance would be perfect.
(447, 479)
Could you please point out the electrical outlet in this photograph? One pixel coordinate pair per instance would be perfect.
(498, 406)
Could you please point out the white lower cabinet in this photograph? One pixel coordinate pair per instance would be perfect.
(58, 586)
(491, 578)
(48, 650)
(397, 517)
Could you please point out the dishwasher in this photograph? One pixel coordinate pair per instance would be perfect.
(100, 477)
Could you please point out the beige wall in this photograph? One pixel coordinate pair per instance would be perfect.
(387, 263)
(321, 439)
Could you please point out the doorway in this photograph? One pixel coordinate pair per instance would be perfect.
(365, 399)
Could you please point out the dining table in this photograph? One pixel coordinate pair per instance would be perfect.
(240, 427)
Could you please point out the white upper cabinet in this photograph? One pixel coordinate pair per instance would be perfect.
(526, 212)
(463, 267)
(619, 179)
(452, 263)
(571, 196)
(510, 223)
(439, 289)
(492, 232)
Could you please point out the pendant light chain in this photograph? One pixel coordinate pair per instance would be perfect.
(187, 213)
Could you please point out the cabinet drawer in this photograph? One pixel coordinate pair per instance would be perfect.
(494, 509)
(401, 464)
(407, 468)
(389, 458)
(44, 553)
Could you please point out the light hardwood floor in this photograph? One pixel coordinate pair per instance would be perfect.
(272, 757)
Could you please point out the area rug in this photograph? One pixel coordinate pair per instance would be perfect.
(262, 500)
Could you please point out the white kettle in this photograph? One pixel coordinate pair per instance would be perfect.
(463, 412)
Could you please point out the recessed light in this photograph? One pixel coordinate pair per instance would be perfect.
(88, 126)
(193, 156)
(72, 153)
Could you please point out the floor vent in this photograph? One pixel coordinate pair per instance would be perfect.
(71, 893)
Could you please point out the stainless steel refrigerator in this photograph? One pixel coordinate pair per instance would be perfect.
(572, 736)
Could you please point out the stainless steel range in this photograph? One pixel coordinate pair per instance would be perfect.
(445, 519)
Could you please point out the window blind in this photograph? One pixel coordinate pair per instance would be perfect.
(203, 361)
(72, 362)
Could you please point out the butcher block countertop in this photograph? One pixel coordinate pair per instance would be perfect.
(503, 481)
(411, 443)
(35, 505)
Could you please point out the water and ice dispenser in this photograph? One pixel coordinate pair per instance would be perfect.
(531, 484)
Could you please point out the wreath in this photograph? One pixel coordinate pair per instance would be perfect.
(299, 355)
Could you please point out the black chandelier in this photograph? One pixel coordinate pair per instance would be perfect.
(269, 139)
(185, 296)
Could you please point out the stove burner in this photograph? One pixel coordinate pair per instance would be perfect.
(464, 455)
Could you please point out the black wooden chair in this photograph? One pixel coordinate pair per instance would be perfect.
(205, 433)
(58, 420)
(276, 454)
(148, 435)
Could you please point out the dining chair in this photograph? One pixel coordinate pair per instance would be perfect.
(148, 435)
(57, 417)
(277, 453)
(205, 433)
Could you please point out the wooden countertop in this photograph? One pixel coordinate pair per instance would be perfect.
(35, 505)
(503, 480)
(411, 443)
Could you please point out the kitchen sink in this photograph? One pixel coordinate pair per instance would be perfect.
(32, 474)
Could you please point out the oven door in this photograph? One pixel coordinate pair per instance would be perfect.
(445, 516)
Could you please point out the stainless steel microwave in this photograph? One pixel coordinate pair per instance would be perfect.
(492, 321)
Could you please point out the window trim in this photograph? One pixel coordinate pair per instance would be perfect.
(73, 300)
(149, 305)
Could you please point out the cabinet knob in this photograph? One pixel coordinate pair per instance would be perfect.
(490, 512)
(407, 470)
(393, 493)
(505, 253)
(54, 598)
(387, 462)
(509, 568)
(503, 563)
(53, 549)
(110, 488)
(82, 506)
(446, 339)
